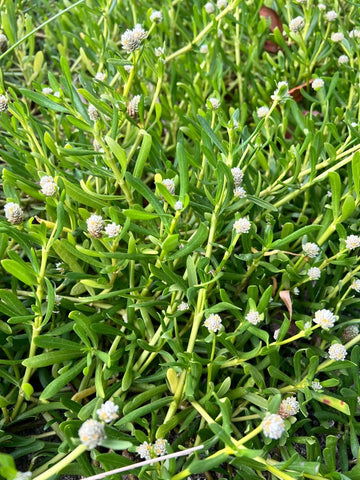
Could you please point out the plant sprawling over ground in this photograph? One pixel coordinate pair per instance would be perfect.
(179, 239)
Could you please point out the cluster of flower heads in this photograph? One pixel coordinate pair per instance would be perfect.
(48, 186)
(133, 106)
(324, 318)
(213, 323)
(14, 213)
(92, 432)
(337, 351)
(238, 176)
(95, 226)
(147, 450)
(253, 317)
(131, 39)
(288, 407)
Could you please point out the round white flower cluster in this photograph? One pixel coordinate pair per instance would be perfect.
(183, 307)
(209, 8)
(93, 113)
(133, 106)
(261, 112)
(311, 249)
(204, 49)
(213, 322)
(100, 76)
(48, 186)
(112, 230)
(145, 450)
(4, 103)
(239, 192)
(253, 317)
(214, 102)
(296, 24)
(337, 352)
(356, 285)
(170, 185)
(108, 411)
(331, 16)
(95, 225)
(324, 318)
(92, 433)
(237, 175)
(343, 59)
(352, 242)
(14, 213)
(337, 37)
(273, 426)
(317, 84)
(288, 407)
(242, 225)
(354, 33)
(178, 205)
(47, 91)
(350, 332)
(314, 273)
(156, 16)
(221, 4)
(131, 39)
(281, 92)
(316, 385)
(159, 51)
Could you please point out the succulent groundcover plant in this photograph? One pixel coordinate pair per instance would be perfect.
(179, 240)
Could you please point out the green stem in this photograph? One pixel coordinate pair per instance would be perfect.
(79, 450)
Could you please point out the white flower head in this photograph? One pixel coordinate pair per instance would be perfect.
(213, 322)
(4, 103)
(183, 307)
(97, 146)
(144, 450)
(95, 225)
(3, 41)
(237, 175)
(204, 49)
(311, 249)
(108, 412)
(337, 37)
(253, 317)
(343, 59)
(314, 273)
(100, 76)
(353, 124)
(331, 16)
(261, 112)
(14, 213)
(47, 91)
(160, 447)
(296, 24)
(296, 291)
(178, 205)
(221, 4)
(337, 352)
(220, 33)
(159, 51)
(354, 33)
(317, 84)
(239, 192)
(23, 476)
(282, 92)
(112, 230)
(324, 318)
(59, 267)
(131, 39)
(242, 225)
(128, 68)
(350, 332)
(92, 433)
(289, 407)
(352, 242)
(316, 386)
(156, 16)
(307, 325)
(273, 426)
(214, 102)
(133, 106)
(48, 186)
(321, 6)
(170, 185)
(209, 8)
(356, 285)
(57, 94)
(93, 113)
